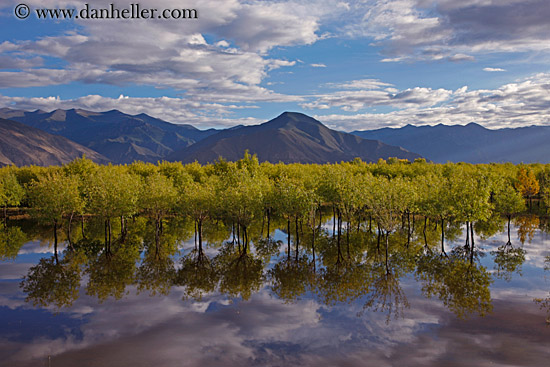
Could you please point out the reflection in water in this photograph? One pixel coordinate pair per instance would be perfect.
(11, 241)
(366, 274)
(146, 257)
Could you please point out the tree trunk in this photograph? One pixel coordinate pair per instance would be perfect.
(297, 237)
(443, 236)
(239, 236)
(288, 237)
(378, 238)
(467, 234)
(245, 241)
(55, 241)
(333, 222)
(82, 227)
(106, 237)
(347, 239)
(199, 227)
(313, 245)
(195, 234)
(157, 234)
(122, 228)
(268, 223)
(424, 231)
(509, 241)
(408, 228)
(387, 245)
(472, 234)
(69, 231)
(262, 229)
(340, 256)
(110, 232)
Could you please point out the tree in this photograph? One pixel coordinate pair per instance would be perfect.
(112, 192)
(508, 202)
(11, 192)
(527, 184)
(158, 197)
(197, 200)
(53, 197)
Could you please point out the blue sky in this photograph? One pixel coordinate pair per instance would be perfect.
(353, 65)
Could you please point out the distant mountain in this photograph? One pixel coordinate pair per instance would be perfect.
(24, 145)
(289, 138)
(471, 143)
(118, 136)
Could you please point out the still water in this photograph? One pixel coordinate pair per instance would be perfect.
(166, 304)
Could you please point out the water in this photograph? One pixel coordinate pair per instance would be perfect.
(418, 308)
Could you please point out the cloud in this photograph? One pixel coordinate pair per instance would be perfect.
(492, 70)
(318, 65)
(451, 30)
(365, 93)
(229, 66)
(359, 84)
(175, 110)
(522, 103)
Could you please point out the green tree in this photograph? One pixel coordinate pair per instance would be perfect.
(53, 197)
(157, 199)
(112, 192)
(527, 184)
(11, 192)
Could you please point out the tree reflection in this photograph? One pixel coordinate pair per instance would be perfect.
(240, 273)
(544, 303)
(197, 275)
(111, 272)
(54, 282)
(508, 260)
(462, 285)
(11, 241)
(527, 225)
(386, 294)
(291, 279)
(147, 260)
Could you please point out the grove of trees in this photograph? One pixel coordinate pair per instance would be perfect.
(358, 224)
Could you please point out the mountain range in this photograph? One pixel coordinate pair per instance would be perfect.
(289, 138)
(56, 137)
(24, 145)
(471, 143)
(120, 137)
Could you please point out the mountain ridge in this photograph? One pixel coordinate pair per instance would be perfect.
(23, 145)
(122, 138)
(471, 143)
(291, 137)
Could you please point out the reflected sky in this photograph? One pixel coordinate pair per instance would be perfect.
(219, 330)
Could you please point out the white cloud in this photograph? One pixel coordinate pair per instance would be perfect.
(363, 93)
(102, 51)
(522, 103)
(176, 110)
(492, 70)
(450, 29)
(318, 65)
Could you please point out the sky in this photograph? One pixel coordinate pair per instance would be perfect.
(353, 65)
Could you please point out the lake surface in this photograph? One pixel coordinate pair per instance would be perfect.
(164, 306)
